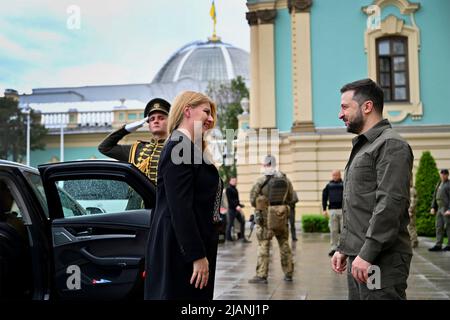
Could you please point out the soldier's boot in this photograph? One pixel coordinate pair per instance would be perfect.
(257, 279)
(288, 277)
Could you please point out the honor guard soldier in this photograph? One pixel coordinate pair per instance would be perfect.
(143, 154)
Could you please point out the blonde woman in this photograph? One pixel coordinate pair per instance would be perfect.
(182, 246)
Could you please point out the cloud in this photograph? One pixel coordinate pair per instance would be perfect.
(122, 41)
(44, 36)
(16, 51)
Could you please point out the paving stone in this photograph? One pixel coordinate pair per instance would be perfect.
(313, 278)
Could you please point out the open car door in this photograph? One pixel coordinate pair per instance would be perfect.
(100, 218)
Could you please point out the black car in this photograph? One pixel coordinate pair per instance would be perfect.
(68, 231)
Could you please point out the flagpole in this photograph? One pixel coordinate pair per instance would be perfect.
(212, 13)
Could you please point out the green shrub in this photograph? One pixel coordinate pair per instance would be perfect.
(315, 223)
(427, 177)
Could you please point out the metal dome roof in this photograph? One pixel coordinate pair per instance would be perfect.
(205, 61)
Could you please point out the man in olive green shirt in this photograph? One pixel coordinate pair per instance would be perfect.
(376, 199)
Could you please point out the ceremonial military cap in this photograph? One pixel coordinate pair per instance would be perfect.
(157, 104)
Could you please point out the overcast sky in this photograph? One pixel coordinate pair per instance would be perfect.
(117, 42)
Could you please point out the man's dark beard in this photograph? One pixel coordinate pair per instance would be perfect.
(357, 124)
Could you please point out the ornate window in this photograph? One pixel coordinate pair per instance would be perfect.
(392, 68)
(392, 48)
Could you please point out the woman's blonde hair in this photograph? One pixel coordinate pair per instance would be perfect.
(188, 98)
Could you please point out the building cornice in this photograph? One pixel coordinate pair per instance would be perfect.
(299, 5)
(267, 16)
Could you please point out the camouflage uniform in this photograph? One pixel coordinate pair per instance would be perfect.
(144, 155)
(264, 234)
(412, 217)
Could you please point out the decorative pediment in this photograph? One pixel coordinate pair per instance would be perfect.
(404, 6)
(392, 25)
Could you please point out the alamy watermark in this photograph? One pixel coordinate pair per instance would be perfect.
(73, 21)
(230, 146)
(73, 281)
(374, 279)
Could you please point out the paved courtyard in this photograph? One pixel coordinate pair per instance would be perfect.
(313, 277)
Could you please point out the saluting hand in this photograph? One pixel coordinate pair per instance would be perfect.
(131, 127)
(200, 274)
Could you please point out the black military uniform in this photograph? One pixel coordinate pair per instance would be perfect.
(143, 154)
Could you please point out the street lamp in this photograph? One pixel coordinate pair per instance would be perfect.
(27, 111)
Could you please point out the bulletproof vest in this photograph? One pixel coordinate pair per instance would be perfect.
(278, 188)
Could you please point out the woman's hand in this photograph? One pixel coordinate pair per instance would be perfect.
(200, 274)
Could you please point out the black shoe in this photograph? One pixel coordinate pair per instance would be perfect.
(294, 239)
(257, 279)
(246, 241)
(331, 253)
(288, 278)
(447, 248)
(435, 248)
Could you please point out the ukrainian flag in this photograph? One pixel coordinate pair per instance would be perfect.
(212, 12)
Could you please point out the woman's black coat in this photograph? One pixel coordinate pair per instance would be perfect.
(182, 228)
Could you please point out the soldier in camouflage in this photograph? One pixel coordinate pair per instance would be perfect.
(143, 154)
(412, 217)
(260, 196)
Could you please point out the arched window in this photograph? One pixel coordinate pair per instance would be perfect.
(392, 68)
(392, 46)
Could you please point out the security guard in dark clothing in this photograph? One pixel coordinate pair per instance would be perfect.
(234, 210)
(441, 207)
(332, 200)
(143, 154)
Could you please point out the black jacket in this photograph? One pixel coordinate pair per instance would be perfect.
(233, 198)
(182, 228)
(332, 195)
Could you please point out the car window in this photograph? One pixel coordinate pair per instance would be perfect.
(34, 180)
(8, 203)
(97, 196)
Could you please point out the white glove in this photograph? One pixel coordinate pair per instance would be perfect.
(132, 127)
